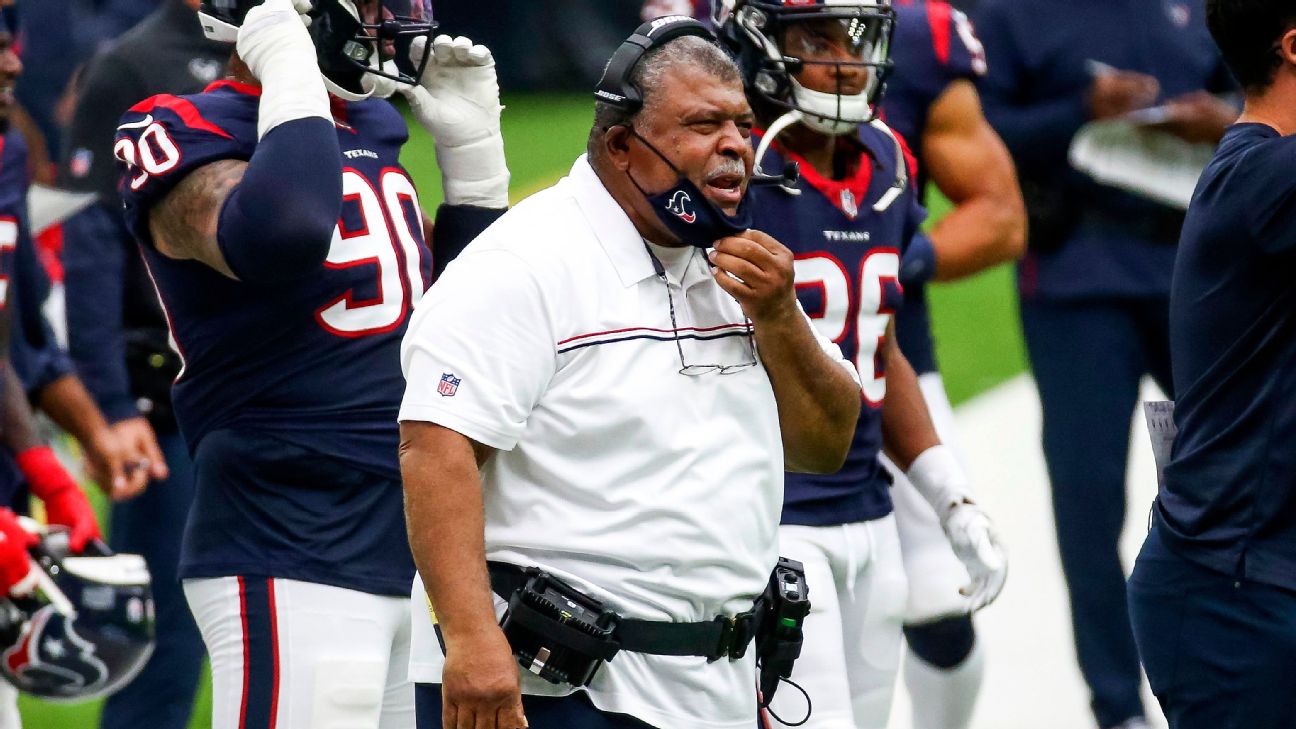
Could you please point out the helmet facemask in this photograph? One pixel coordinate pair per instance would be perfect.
(850, 40)
(356, 41)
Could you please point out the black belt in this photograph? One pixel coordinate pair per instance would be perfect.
(721, 637)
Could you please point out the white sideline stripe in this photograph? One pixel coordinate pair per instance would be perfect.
(1032, 681)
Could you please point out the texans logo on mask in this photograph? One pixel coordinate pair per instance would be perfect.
(53, 659)
(676, 206)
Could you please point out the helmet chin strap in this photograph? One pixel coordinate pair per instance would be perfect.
(775, 129)
(833, 114)
(344, 94)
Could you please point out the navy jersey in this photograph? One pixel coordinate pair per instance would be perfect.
(300, 381)
(934, 46)
(847, 268)
(1229, 500)
(14, 182)
(13, 227)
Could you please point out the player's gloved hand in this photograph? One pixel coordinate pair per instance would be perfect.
(939, 478)
(382, 87)
(17, 575)
(278, 50)
(973, 538)
(457, 102)
(64, 502)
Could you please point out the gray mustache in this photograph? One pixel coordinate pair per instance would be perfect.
(728, 167)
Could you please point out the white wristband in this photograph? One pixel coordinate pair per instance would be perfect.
(289, 96)
(937, 475)
(475, 173)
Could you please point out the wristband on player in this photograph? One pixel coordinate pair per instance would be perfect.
(278, 50)
(918, 265)
(65, 504)
(475, 173)
(937, 475)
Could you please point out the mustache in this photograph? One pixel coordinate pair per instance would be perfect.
(726, 168)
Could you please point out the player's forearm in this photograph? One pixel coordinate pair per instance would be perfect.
(446, 525)
(907, 428)
(818, 402)
(980, 233)
(67, 402)
(19, 432)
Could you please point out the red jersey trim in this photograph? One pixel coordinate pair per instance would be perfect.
(182, 108)
(939, 16)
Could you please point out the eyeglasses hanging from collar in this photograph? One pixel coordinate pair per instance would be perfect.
(694, 370)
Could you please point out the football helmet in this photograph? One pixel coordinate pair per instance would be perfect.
(775, 40)
(352, 38)
(86, 630)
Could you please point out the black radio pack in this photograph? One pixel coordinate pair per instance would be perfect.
(784, 607)
(557, 632)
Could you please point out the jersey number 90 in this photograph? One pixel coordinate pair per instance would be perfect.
(384, 240)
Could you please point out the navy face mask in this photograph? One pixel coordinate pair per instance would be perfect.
(687, 213)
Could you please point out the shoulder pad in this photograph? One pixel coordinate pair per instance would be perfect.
(162, 139)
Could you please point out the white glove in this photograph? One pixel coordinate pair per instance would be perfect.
(278, 50)
(381, 87)
(939, 478)
(457, 102)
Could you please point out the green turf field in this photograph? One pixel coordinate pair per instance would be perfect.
(977, 333)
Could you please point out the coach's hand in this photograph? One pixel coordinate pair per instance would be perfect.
(479, 684)
(757, 271)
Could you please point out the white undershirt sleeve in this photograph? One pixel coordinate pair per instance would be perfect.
(479, 352)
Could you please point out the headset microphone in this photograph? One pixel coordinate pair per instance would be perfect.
(791, 174)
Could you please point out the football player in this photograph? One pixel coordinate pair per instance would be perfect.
(931, 99)
(24, 457)
(287, 246)
(815, 74)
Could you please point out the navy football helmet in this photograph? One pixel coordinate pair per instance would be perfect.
(86, 631)
(352, 38)
(774, 40)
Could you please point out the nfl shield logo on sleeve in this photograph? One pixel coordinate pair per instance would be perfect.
(449, 385)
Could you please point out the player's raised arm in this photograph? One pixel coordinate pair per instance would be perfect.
(457, 102)
(240, 218)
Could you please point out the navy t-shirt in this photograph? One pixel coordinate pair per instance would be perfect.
(1099, 242)
(1229, 500)
(847, 267)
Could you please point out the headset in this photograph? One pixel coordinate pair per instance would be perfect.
(618, 90)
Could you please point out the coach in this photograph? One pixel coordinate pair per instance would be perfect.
(1213, 595)
(619, 404)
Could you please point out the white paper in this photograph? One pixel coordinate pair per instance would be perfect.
(47, 206)
(1128, 154)
(1161, 426)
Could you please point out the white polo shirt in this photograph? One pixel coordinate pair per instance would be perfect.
(550, 339)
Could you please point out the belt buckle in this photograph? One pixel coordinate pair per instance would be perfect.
(735, 636)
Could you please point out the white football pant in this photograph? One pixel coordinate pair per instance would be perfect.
(851, 654)
(299, 655)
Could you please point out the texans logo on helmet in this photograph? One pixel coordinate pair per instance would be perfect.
(52, 659)
(676, 206)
